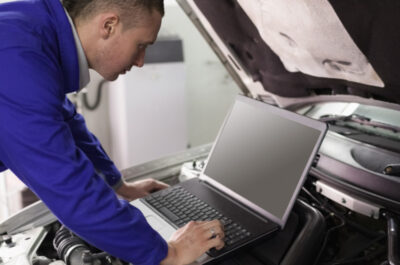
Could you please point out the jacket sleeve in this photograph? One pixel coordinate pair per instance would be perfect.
(38, 145)
(91, 146)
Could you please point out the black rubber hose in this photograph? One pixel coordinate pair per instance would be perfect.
(98, 97)
(393, 240)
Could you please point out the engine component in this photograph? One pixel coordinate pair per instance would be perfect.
(20, 249)
(69, 247)
(41, 260)
(74, 251)
(393, 239)
(9, 241)
(348, 201)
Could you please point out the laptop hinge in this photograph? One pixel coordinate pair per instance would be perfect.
(234, 201)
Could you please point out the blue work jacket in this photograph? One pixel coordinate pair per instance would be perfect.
(46, 143)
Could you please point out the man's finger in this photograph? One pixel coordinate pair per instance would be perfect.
(213, 223)
(215, 242)
(212, 231)
(158, 185)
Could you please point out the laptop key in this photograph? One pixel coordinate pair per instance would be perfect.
(230, 242)
(213, 252)
(170, 215)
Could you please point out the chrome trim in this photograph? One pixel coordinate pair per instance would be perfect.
(348, 201)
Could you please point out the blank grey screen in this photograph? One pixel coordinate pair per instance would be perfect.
(261, 156)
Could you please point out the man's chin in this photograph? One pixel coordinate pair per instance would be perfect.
(111, 77)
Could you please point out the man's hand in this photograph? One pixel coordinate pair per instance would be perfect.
(191, 241)
(139, 189)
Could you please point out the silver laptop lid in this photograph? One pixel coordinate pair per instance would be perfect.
(262, 156)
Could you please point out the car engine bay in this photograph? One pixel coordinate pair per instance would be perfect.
(319, 231)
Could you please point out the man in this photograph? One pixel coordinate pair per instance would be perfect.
(45, 53)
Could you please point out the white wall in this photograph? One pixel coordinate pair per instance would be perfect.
(148, 113)
(98, 121)
(210, 90)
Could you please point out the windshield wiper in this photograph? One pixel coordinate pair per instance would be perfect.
(360, 119)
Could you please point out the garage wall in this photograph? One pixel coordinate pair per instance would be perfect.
(210, 89)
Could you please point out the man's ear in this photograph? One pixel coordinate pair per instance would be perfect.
(109, 23)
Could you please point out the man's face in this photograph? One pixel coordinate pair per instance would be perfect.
(126, 48)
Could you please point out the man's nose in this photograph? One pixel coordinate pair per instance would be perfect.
(139, 62)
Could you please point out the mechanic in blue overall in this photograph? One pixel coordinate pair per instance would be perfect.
(46, 49)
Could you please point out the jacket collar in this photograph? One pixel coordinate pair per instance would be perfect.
(67, 48)
(84, 77)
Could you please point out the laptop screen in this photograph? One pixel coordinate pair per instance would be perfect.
(263, 154)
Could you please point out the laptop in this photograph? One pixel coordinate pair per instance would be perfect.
(251, 180)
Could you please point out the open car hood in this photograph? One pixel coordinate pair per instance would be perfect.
(301, 52)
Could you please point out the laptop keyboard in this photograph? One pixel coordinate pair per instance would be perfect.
(181, 207)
